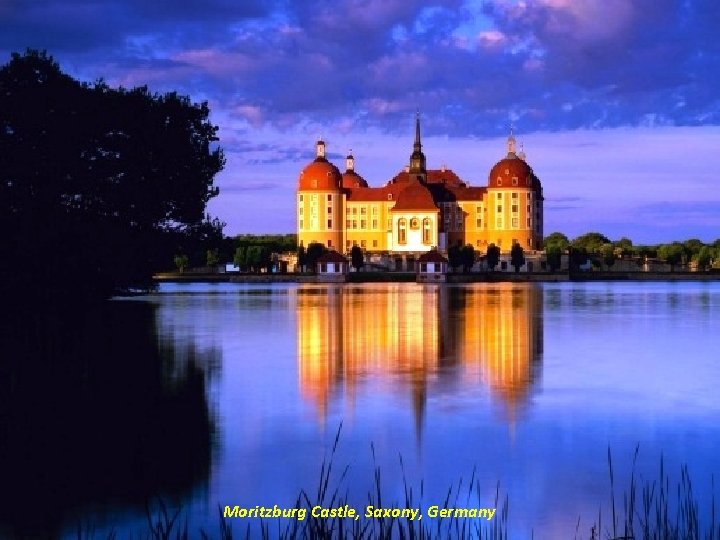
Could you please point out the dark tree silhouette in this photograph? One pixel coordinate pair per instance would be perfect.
(357, 258)
(99, 187)
(467, 257)
(314, 252)
(517, 256)
(492, 257)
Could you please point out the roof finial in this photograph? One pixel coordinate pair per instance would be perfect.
(350, 161)
(511, 142)
(521, 155)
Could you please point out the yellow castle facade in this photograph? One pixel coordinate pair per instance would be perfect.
(419, 209)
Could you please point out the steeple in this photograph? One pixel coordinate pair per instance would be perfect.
(320, 150)
(417, 158)
(511, 143)
(350, 162)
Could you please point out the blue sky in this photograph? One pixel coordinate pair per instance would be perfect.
(617, 102)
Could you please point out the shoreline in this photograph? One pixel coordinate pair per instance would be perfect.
(410, 277)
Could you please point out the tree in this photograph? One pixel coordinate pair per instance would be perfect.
(212, 257)
(112, 182)
(240, 259)
(357, 259)
(625, 246)
(704, 257)
(517, 256)
(492, 256)
(454, 256)
(557, 239)
(553, 255)
(467, 257)
(181, 262)
(608, 255)
(301, 257)
(314, 251)
(591, 242)
(672, 254)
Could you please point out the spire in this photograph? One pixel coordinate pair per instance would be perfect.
(417, 158)
(511, 143)
(417, 146)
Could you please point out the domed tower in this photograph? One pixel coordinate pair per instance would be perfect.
(514, 203)
(319, 202)
(350, 178)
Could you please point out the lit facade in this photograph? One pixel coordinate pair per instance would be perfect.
(420, 209)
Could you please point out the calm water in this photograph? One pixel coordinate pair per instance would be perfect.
(232, 394)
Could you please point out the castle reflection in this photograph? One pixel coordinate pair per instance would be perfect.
(418, 338)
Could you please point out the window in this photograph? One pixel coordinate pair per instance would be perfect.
(374, 211)
(329, 197)
(499, 223)
(301, 210)
(329, 209)
(389, 196)
(515, 223)
(363, 224)
(348, 224)
(514, 181)
(499, 181)
(402, 231)
(353, 210)
(414, 223)
(362, 243)
(427, 233)
(499, 195)
(478, 243)
(375, 224)
(329, 243)
(354, 223)
(329, 221)
(374, 243)
(313, 197)
(478, 209)
(478, 223)
(499, 208)
(529, 223)
(301, 224)
(515, 208)
(514, 195)
(301, 198)
(528, 208)
(363, 211)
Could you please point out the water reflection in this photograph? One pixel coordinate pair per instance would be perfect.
(96, 414)
(413, 338)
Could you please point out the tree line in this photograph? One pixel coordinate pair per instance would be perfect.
(598, 249)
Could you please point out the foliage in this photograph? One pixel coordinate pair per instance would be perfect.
(212, 257)
(672, 254)
(608, 255)
(99, 187)
(357, 258)
(553, 254)
(556, 239)
(591, 242)
(315, 250)
(492, 256)
(517, 256)
(239, 259)
(467, 257)
(704, 257)
(625, 246)
(454, 256)
(301, 257)
(181, 262)
(577, 257)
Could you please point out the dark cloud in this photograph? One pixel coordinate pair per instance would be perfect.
(540, 64)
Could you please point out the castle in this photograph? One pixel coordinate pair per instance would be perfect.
(420, 209)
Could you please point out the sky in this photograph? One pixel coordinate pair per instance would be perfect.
(616, 102)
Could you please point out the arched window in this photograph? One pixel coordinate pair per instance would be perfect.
(402, 231)
(427, 233)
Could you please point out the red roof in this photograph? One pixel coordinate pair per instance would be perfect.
(513, 172)
(320, 174)
(351, 179)
(415, 197)
(432, 256)
(331, 257)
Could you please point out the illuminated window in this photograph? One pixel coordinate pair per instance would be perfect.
(427, 233)
(402, 231)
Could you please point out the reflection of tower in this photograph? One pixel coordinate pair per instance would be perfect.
(319, 341)
(509, 346)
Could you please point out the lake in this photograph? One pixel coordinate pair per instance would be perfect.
(230, 394)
